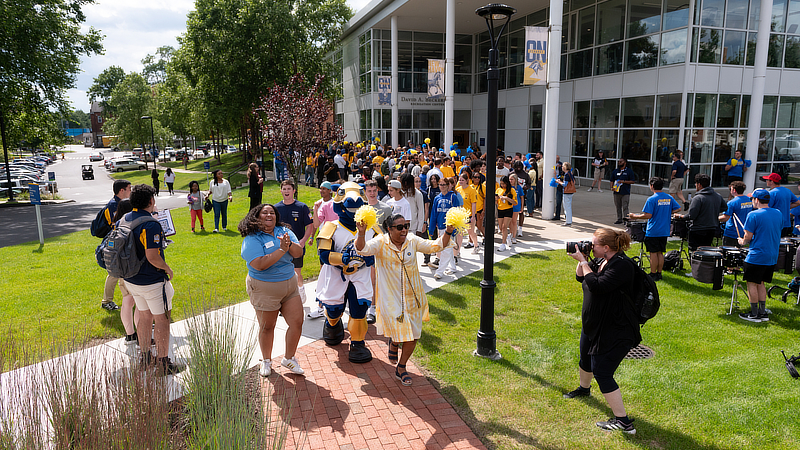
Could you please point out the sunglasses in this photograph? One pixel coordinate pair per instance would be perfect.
(402, 226)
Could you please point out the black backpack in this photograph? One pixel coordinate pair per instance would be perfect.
(117, 253)
(672, 260)
(100, 225)
(644, 295)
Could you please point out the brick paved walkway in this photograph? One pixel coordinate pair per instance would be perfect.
(363, 406)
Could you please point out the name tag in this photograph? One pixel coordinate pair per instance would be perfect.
(269, 244)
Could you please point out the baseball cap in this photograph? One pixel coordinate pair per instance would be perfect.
(774, 177)
(326, 185)
(761, 194)
(395, 184)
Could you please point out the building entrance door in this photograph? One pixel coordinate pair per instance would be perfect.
(461, 136)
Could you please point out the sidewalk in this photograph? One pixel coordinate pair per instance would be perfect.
(362, 406)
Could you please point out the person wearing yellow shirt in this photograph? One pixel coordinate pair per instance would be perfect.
(506, 199)
(469, 196)
(447, 171)
(310, 168)
(480, 197)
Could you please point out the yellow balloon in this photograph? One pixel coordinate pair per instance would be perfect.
(734, 162)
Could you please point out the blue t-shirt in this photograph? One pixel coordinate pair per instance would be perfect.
(423, 182)
(441, 204)
(147, 235)
(679, 167)
(520, 195)
(781, 199)
(764, 223)
(625, 174)
(796, 213)
(262, 244)
(297, 215)
(740, 207)
(660, 206)
(738, 169)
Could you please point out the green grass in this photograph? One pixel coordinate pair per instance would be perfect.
(182, 179)
(716, 382)
(49, 293)
(230, 161)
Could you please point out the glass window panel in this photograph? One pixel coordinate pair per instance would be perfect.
(578, 4)
(377, 117)
(638, 112)
(644, 17)
(516, 75)
(581, 115)
(483, 56)
(769, 111)
(423, 52)
(641, 170)
(516, 24)
(501, 118)
(710, 48)
(386, 120)
(404, 118)
(689, 103)
(695, 38)
(463, 39)
(755, 8)
(778, 15)
(563, 74)
(462, 119)
(605, 140)
(705, 107)
(766, 141)
(673, 47)
(744, 116)
(403, 35)
(736, 14)
(728, 110)
(565, 33)
(642, 53)
(405, 82)
(502, 50)
(787, 146)
(669, 110)
(420, 83)
(663, 171)
(463, 59)
(605, 113)
(534, 141)
(428, 37)
(386, 57)
(792, 52)
(516, 47)
(793, 17)
(538, 16)
(712, 13)
(789, 112)
(775, 51)
(636, 144)
(579, 166)
(482, 83)
(404, 61)
(536, 116)
(751, 49)
(483, 37)
(719, 177)
(611, 21)
(734, 49)
(666, 142)
(376, 56)
(676, 14)
(463, 84)
(609, 59)
(502, 82)
(580, 64)
(580, 142)
(586, 28)
(724, 145)
(694, 170)
(702, 146)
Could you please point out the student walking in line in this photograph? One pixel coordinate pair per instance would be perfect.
(196, 199)
(506, 199)
(568, 185)
(154, 177)
(442, 203)
(220, 192)
(169, 179)
(256, 185)
(516, 209)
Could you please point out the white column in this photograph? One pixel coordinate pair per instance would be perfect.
(687, 83)
(395, 86)
(757, 94)
(449, 72)
(551, 107)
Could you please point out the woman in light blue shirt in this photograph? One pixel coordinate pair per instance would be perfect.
(268, 248)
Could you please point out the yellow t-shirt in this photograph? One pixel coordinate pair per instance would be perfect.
(310, 161)
(480, 195)
(447, 171)
(458, 166)
(469, 196)
(502, 204)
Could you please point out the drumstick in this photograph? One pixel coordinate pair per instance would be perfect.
(736, 219)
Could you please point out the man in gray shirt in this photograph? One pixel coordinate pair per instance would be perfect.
(384, 211)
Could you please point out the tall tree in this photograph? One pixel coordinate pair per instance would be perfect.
(79, 119)
(41, 43)
(131, 100)
(102, 87)
(155, 66)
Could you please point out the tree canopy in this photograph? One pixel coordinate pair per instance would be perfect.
(131, 99)
(103, 85)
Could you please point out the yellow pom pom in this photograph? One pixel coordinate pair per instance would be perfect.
(455, 143)
(368, 215)
(372, 147)
(458, 218)
(734, 162)
(345, 142)
(377, 139)
(427, 140)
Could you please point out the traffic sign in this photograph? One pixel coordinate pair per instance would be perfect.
(33, 190)
(51, 176)
(206, 166)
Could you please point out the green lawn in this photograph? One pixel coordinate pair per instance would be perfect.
(716, 381)
(230, 161)
(182, 179)
(54, 292)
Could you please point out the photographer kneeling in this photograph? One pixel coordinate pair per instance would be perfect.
(610, 327)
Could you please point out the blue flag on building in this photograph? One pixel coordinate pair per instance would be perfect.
(384, 90)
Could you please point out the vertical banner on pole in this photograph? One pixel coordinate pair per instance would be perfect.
(535, 56)
(435, 78)
(384, 90)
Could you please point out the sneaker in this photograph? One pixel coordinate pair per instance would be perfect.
(164, 367)
(764, 317)
(502, 248)
(566, 224)
(224, 229)
(434, 264)
(619, 221)
(292, 365)
(475, 251)
(468, 245)
(599, 190)
(580, 392)
(316, 313)
(519, 232)
(131, 339)
(589, 190)
(686, 205)
(449, 272)
(215, 231)
(455, 259)
(513, 241)
(371, 314)
(146, 359)
(110, 306)
(750, 317)
(437, 276)
(266, 368)
(615, 424)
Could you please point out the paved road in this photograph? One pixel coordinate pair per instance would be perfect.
(18, 224)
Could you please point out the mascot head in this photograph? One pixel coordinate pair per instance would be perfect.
(349, 197)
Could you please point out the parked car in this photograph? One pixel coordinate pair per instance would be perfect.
(199, 154)
(96, 156)
(180, 153)
(119, 165)
(231, 149)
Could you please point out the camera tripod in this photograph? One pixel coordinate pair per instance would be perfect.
(736, 286)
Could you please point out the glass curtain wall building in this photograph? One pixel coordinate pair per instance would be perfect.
(626, 67)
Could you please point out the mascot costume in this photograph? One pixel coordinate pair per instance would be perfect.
(344, 279)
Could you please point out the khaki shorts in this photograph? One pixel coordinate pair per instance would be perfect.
(675, 185)
(123, 289)
(150, 297)
(269, 296)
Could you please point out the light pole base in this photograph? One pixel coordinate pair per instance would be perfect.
(494, 355)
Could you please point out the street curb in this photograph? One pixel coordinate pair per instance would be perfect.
(7, 204)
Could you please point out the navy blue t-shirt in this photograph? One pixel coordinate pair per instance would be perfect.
(679, 167)
(625, 174)
(297, 215)
(660, 206)
(147, 235)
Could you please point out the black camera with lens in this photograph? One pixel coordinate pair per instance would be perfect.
(580, 246)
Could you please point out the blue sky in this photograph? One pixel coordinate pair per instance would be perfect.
(133, 29)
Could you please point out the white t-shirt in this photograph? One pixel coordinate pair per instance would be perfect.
(401, 207)
(219, 192)
(500, 173)
(169, 178)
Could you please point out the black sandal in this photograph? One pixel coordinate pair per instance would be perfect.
(393, 355)
(404, 377)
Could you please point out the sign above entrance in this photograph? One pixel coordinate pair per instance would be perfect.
(535, 56)
(410, 101)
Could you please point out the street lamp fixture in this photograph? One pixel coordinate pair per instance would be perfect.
(152, 142)
(487, 338)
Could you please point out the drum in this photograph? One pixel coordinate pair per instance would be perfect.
(707, 267)
(680, 228)
(733, 257)
(786, 254)
(706, 248)
(636, 230)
